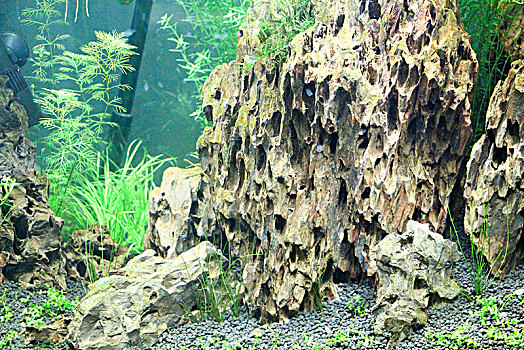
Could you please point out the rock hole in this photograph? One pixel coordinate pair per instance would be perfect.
(260, 160)
(340, 22)
(499, 155)
(342, 193)
(293, 254)
(241, 173)
(433, 100)
(333, 142)
(288, 93)
(81, 268)
(442, 125)
(21, 227)
(403, 71)
(372, 75)
(393, 110)
(513, 129)
(413, 76)
(280, 222)
(374, 9)
(366, 193)
(363, 139)
(276, 121)
(420, 283)
(208, 112)
(412, 127)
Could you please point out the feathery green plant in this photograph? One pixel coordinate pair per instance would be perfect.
(484, 20)
(211, 41)
(73, 121)
(45, 16)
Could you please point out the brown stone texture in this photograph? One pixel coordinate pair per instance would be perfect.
(414, 271)
(171, 230)
(512, 33)
(494, 186)
(130, 308)
(29, 231)
(308, 165)
(91, 254)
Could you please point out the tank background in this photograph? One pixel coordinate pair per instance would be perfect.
(162, 104)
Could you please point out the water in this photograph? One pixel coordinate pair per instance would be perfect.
(162, 104)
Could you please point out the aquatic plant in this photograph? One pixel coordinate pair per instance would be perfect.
(211, 40)
(7, 339)
(489, 22)
(481, 273)
(288, 18)
(56, 303)
(75, 117)
(117, 200)
(7, 185)
(46, 16)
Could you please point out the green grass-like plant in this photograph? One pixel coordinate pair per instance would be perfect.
(211, 40)
(7, 185)
(484, 21)
(482, 273)
(117, 200)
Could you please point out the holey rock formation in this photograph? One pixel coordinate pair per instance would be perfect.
(29, 231)
(494, 189)
(414, 271)
(308, 165)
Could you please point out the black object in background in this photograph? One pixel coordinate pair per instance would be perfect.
(14, 53)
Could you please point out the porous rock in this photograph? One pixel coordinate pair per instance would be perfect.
(55, 332)
(512, 31)
(30, 251)
(171, 230)
(91, 253)
(414, 270)
(132, 306)
(308, 165)
(494, 191)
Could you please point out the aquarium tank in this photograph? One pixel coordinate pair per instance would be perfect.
(261, 174)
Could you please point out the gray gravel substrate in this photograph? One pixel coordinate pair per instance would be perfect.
(307, 330)
(311, 330)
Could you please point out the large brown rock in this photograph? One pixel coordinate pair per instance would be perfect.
(494, 186)
(29, 230)
(310, 164)
(131, 307)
